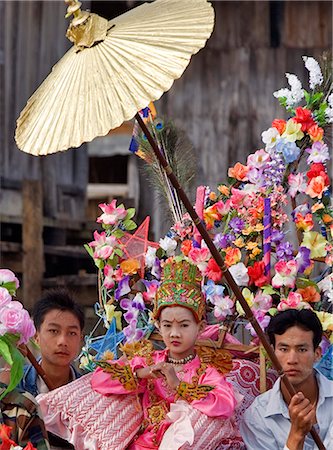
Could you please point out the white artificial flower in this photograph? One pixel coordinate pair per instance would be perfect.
(326, 286)
(150, 257)
(168, 245)
(239, 273)
(295, 94)
(269, 137)
(315, 75)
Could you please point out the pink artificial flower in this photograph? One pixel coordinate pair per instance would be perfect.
(262, 302)
(16, 320)
(223, 208)
(237, 197)
(262, 319)
(7, 276)
(223, 307)
(111, 213)
(296, 183)
(27, 328)
(103, 244)
(293, 301)
(151, 287)
(5, 297)
(199, 257)
(285, 275)
(258, 160)
(109, 280)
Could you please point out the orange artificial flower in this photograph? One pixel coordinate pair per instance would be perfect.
(232, 256)
(212, 196)
(280, 125)
(130, 266)
(304, 223)
(327, 218)
(316, 187)
(211, 214)
(316, 207)
(186, 247)
(316, 133)
(224, 190)
(239, 171)
(309, 294)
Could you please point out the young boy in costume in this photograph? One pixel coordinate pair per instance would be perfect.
(173, 379)
(271, 424)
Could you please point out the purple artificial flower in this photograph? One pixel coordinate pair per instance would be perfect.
(132, 312)
(223, 240)
(277, 236)
(236, 224)
(132, 333)
(303, 259)
(318, 153)
(284, 251)
(123, 288)
(138, 302)
(274, 171)
(262, 319)
(255, 176)
(156, 270)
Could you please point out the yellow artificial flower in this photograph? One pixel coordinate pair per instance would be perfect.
(247, 231)
(130, 266)
(249, 297)
(259, 227)
(111, 313)
(251, 245)
(293, 131)
(212, 196)
(316, 243)
(239, 242)
(256, 251)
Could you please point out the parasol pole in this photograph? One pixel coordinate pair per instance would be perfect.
(227, 275)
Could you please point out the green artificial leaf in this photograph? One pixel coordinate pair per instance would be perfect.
(4, 351)
(160, 253)
(130, 213)
(118, 233)
(307, 97)
(99, 263)
(10, 286)
(272, 311)
(16, 371)
(302, 283)
(269, 290)
(113, 261)
(118, 252)
(89, 250)
(130, 225)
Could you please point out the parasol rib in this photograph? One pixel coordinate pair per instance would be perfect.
(229, 278)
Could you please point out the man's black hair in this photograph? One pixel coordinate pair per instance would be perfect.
(60, 299)
(303, 318)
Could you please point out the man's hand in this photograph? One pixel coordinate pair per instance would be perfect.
(303, 416)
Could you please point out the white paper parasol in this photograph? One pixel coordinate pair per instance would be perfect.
(103, 81)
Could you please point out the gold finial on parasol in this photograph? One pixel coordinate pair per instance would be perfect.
(85, 29)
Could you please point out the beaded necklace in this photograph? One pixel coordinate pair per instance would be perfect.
(181, 361)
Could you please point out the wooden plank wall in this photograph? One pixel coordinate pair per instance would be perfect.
(33, 40)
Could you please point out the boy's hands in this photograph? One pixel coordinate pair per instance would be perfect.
(161, 369)
(303, 416)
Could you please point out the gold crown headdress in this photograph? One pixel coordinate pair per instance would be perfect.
(180, 286)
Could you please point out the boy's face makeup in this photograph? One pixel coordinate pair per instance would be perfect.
(59, 337)
(179, 331)
(295, 352)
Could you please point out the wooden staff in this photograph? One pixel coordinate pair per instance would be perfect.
(27, 353)
(227, 275)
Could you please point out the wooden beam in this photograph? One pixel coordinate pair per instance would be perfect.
(32, 242)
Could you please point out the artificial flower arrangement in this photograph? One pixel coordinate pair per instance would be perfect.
(16, 327)
(251, 225)
(6, 443)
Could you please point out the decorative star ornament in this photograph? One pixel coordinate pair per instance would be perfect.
(136, 245)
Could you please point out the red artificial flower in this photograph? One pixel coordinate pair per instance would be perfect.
(280, 125)
(213, 270)
(257, 274)
(29, 446)
(304, 117)
(316, 170)
(6, 442)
